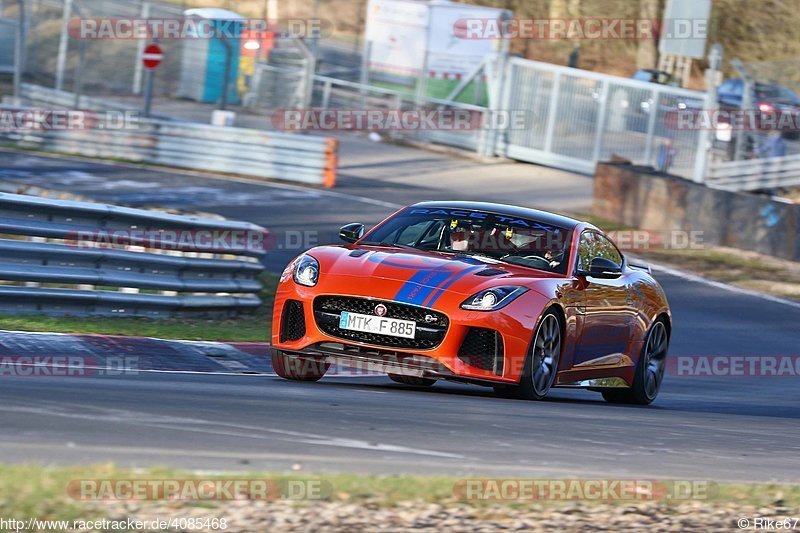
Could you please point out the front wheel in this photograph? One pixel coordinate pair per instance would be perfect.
(541, 365)
(298, 368)
(649, 370)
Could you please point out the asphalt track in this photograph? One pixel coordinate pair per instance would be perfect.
(722, 428)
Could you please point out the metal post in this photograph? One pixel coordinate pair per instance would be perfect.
(713, 79)
(422, 81)
(148, 91)
(19, 51)
(63, 43)
(552, 112)
(364, 75)
(601, 122)
(33, 35)
(138, 67)
(78, 82)
(326, 94)
(315, 33)
(223, 105)
(651, 127)
(747, 105)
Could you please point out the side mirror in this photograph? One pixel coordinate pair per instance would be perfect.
(602, 268)
(351, 232)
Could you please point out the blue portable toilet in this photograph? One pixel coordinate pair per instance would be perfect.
(203, 60)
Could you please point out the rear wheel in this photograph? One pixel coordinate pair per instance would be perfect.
(412, 380)
(541, 365)
(649, 370)
(298, 368)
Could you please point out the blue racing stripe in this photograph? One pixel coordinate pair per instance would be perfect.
(420, 286)
(438, 292)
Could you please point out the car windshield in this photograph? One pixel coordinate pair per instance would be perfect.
(488, 236)
(776, 92)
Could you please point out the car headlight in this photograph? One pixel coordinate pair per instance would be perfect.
(306, 271)
(492, 299)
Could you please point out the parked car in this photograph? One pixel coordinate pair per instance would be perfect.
(766, 97)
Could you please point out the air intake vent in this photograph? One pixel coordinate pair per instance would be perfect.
(490, 272)
(293, 321)
(483, 348)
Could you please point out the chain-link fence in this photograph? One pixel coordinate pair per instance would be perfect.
(104, 66)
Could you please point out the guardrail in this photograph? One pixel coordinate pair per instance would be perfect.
(262, 154)
(162, 264)
(755, 174)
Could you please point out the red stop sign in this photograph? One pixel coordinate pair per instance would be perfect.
(152, 56)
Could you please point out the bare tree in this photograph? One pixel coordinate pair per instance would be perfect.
(647, 49)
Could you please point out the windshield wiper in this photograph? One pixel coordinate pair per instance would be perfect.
(390, 245)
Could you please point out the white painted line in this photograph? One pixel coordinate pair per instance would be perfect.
(719, 285)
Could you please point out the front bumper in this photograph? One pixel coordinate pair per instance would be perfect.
(446, 358)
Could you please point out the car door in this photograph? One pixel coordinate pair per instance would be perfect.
(606, 312)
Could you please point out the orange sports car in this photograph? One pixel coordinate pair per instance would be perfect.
(512, 298)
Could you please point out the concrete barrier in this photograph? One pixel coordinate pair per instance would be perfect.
(641, 197)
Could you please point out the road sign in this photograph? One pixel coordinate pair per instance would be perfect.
(152, 56)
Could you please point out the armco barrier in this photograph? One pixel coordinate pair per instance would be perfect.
(161, 264)
(262, 154)
(640, 197)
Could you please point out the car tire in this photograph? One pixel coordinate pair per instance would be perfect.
(412, 380)
(649, 372)
(298, 368)
(541, 364)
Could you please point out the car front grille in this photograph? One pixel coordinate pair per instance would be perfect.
(293, 321)
(483, 348)
(431, 325)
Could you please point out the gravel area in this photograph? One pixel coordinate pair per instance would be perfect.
(406, 517)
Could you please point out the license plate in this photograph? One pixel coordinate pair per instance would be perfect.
(377, 324)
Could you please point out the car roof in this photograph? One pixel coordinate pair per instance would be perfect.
(545, 217)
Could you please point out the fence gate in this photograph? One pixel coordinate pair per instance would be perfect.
(581, 117)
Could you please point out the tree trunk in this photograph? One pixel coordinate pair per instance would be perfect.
(647, 49)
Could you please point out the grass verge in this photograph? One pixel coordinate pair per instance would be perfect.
(254, 327)
(36, 491)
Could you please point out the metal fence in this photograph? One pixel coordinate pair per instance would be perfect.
(66, 258)
(104, 66)
(755, 174)
(583, 117)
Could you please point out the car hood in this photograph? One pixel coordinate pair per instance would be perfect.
(419, 275)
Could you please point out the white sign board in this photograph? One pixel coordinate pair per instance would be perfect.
(450, 54)
(401, 33)
(685, 28)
